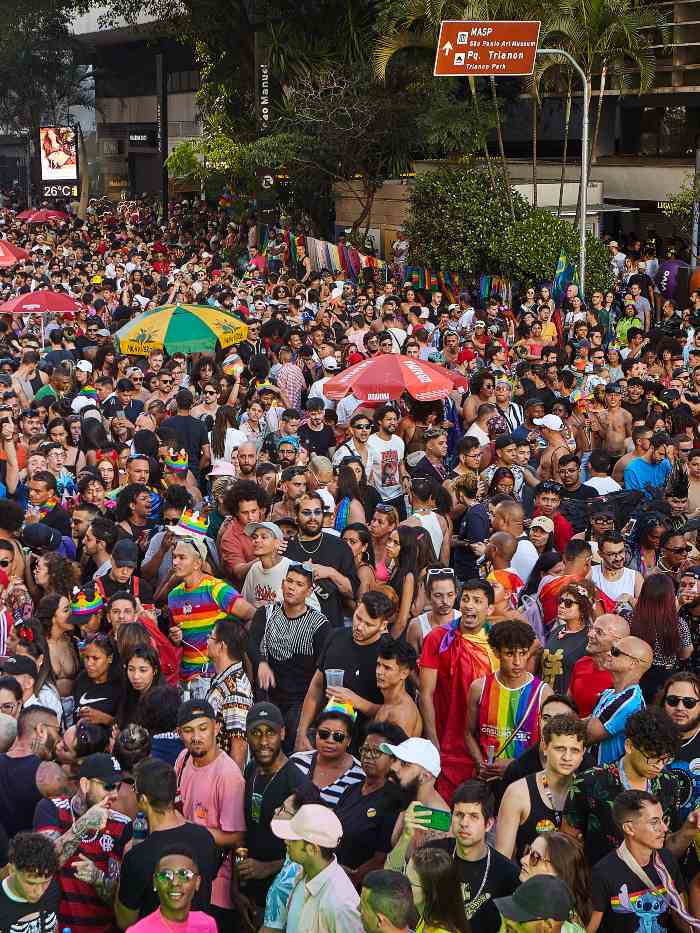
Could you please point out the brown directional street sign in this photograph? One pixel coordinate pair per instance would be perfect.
(486, 49)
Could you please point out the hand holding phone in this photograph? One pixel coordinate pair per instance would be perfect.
(440, 820)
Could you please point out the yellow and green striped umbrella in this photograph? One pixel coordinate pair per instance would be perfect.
(180, 328)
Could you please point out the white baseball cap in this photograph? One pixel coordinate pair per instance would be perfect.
(312, 823)
(553, 422)
(415, 751)
(329, 362)
(267, 526)
(85, 366)
(543, 522)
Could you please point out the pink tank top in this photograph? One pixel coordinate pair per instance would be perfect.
(381, 571)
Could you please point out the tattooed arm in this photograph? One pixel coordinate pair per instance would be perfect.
(91, 822)
(105, 884)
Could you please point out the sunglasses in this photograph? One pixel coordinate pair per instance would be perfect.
(209, 392)
(567, 603)
(370, 751)
(311, 513)
(168, 875)
(679, 550)
(5, 563)
(616, 652)
(441, 572)
(326, 734)
(385, 509)
(363, 427)
(534, 856)
(674, 701)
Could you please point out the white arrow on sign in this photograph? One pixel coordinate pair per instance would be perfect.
(447, 47)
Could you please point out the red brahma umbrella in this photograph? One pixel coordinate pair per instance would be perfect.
(10, 254)
(40, 301)
(386, 377)
(41, 216)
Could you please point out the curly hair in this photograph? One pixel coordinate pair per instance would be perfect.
(653, 733)
(125, 499)
(564, 724)
(62, 573)
(584, 597)
(33, 853)
(511, 633)
(245, 490)
(11, 516)
(157, 710)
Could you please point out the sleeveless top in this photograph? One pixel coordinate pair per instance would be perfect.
(381, 571)
(613, 588)
(416, 443)
(425, 626)
(542, 819)
(431, 523)
(503, 710)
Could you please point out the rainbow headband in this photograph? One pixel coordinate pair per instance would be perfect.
(178, 463)
(82, 605)
(335, 706)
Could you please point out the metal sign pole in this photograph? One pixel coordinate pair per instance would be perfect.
(584, 161)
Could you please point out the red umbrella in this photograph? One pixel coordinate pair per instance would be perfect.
(40, 301)
(42, 216)
(10, 254)
(388, 376)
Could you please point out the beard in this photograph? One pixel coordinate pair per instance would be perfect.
(401, 794)
(691, 725)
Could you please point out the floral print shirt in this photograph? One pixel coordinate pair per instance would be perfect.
(588, 808)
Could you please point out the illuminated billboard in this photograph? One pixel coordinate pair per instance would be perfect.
(59, 154)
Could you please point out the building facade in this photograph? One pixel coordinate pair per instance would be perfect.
(123, 57)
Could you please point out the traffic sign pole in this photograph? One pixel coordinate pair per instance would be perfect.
(584, 162)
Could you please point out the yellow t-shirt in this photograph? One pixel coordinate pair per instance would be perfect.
(549, 332)
(422, 928)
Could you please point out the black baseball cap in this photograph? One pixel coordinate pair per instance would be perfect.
(39, 536)
(264, 714)
(542, 897)
(102, 767)
(125, 553)
(195, 709)
(19, 664)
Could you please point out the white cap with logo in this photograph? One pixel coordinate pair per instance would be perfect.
(415, 751)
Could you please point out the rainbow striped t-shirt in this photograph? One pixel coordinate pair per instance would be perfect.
(196, 610)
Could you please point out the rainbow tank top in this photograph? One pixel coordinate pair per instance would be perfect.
(502, 709)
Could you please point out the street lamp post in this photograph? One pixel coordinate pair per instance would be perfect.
(584, 160)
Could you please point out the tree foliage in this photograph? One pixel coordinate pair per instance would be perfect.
(459, 221)
(338, 131)
(679, 206)
(40, 72)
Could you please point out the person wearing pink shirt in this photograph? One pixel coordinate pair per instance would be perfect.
(176, 879)
(212, 790)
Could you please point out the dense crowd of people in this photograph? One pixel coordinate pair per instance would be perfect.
(274, 660)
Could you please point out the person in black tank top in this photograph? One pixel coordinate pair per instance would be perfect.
(541, 818)
(533, 805)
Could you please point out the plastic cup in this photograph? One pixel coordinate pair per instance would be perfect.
(334, 677)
